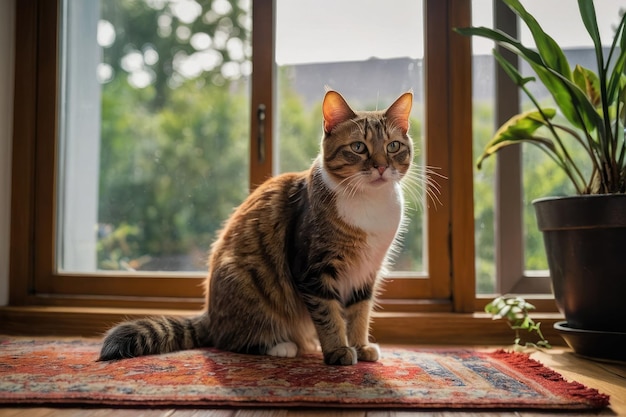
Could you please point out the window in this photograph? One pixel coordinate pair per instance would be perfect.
(153, 132)
(510, 256)
(371, 69)
(66, 192)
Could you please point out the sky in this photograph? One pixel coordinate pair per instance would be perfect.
(322, 31)
(332, 30)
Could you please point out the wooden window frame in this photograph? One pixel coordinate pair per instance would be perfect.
(511, 275)
(418, 309)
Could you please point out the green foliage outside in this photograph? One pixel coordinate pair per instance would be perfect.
(170, 177)
(483, 200)
(174, 153)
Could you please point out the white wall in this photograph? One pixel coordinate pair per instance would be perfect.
(7, 26)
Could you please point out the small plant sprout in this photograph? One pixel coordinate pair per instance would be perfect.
(515, 311)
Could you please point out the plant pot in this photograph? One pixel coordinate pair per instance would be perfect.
(585, 241)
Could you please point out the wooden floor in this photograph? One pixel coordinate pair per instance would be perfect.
(607, 378)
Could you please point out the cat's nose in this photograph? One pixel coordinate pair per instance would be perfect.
(381, 168)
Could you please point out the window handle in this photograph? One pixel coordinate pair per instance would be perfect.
(260, 116)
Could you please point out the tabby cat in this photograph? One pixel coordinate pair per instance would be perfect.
(300, 261)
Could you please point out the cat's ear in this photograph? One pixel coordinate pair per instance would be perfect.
(398, 113)
(335, 110)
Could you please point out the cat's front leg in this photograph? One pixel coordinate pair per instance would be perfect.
(328, 318)
(358, 319)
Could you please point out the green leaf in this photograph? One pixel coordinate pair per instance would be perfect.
(515, 310)
(622, 99)
(504, 311)
(588, 82)
(544, 344)
(551, 54)
(620, 63)
(520, 128)
(569, 98)
(511, 70)
(588, 15)
(504, 40)
(527, 322)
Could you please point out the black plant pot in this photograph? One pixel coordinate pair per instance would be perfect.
(585, 240)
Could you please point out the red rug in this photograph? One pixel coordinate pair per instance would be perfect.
(41, 371)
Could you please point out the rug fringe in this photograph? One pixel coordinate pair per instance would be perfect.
(533, 368)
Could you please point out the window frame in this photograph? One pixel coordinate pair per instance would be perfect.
(33, 279)
(511, 274)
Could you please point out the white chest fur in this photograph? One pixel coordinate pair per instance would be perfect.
(379, 214)
(377, 210)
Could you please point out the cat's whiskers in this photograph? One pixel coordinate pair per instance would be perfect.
(421, 182)
(353, 186)
(433, 189)
(350, 185)
(414, 194)
(340, 188)
(359, 182)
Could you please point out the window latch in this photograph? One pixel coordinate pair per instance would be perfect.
(260, 116)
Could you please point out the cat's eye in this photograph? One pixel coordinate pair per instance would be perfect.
(358, 147)
(393, 146)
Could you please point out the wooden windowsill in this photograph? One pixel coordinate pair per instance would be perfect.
(397, 327)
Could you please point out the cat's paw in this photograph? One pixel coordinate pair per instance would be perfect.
(343, 356)
(284, 350)
(368, 353)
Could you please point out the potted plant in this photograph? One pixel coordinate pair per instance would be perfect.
(584, 234)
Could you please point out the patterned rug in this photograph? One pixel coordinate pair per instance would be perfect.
(65, 372)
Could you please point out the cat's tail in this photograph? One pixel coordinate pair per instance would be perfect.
(154, 335)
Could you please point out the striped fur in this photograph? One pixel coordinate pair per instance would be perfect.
(299, 262)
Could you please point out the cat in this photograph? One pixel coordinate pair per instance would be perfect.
(298, 265)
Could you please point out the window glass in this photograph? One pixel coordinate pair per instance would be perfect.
(154, 147)
(370, 58)
(540, 175)
(483, 123)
